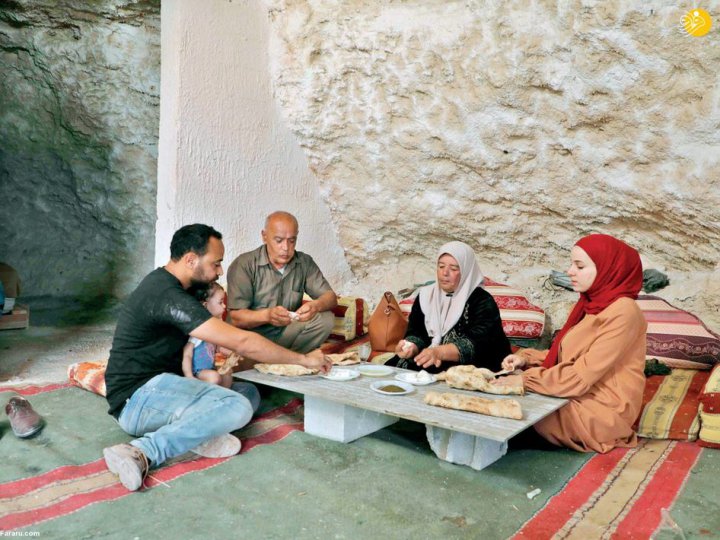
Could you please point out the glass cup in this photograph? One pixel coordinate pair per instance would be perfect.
(364, 351)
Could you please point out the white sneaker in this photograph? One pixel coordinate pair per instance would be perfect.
(129, 463)
(221, 446)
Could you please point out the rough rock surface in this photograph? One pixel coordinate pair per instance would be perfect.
(79, 97)
(514, 127)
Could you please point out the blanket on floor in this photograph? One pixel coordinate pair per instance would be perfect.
(56, 484)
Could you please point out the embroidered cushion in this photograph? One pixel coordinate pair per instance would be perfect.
(521, 319)
(670, 405)
(351, 318)
(710, 411)
(677, 338)
(89, 376)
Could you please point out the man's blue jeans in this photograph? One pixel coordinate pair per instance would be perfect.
(173, 414)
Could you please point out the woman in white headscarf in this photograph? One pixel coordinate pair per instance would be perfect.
(454, 320)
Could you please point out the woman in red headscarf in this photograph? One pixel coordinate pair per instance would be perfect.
(597, 359)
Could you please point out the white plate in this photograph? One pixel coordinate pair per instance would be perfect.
(341, 374)
(411, 378)
(375, 370)
(379, 385)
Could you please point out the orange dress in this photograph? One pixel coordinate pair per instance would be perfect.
(600, 370)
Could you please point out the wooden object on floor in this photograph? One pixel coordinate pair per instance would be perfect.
(19, 318)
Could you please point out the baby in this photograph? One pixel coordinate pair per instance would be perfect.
(199, 356)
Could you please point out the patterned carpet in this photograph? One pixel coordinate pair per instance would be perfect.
(389, 484)
(621, 494)
(67, 489)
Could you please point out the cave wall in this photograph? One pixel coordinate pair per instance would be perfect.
(388, 128)
(79, 109)
(516, 127)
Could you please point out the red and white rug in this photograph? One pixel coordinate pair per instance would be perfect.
(626, 493)
(65, 490)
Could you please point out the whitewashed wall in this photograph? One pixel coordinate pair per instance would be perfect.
(226, 158)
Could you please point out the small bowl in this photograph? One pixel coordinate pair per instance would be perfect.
(341, 374)
(378, 386)
(375, 370)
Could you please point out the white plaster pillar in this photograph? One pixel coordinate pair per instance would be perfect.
(226, 157)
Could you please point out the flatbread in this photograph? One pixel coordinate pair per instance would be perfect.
(502, 408)
(474, 378)
(344, 359)
(230, 362)
(288, 370)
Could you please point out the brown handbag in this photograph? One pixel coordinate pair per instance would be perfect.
(387, 325)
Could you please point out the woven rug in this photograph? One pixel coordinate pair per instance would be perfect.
(626, 493)
(390, 484)
(63, 490)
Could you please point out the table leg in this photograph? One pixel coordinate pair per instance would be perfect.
(464, 449)
(343, 423)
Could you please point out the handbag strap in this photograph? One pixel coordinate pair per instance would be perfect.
(389, 301)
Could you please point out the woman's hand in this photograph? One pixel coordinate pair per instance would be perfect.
(510, 380)
(428, 357)
(406, 349)
(513, 361)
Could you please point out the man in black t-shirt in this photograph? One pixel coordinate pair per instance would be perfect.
(146, 390)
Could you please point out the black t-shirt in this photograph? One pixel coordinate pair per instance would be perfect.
(152, 329)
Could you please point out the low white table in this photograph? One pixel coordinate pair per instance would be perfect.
(346, 411)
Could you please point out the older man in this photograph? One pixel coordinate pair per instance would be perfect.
(266, 286)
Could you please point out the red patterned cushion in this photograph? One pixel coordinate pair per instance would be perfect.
(670, 405)
(521, 319)
(88, 375)
(677, 338)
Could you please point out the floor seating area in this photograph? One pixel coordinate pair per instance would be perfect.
(682, 405)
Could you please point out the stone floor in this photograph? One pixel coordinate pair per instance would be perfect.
(60, 332)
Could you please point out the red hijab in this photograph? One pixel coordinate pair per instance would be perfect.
(619, 274)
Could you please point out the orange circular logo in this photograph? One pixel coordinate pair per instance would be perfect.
(697, 22)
